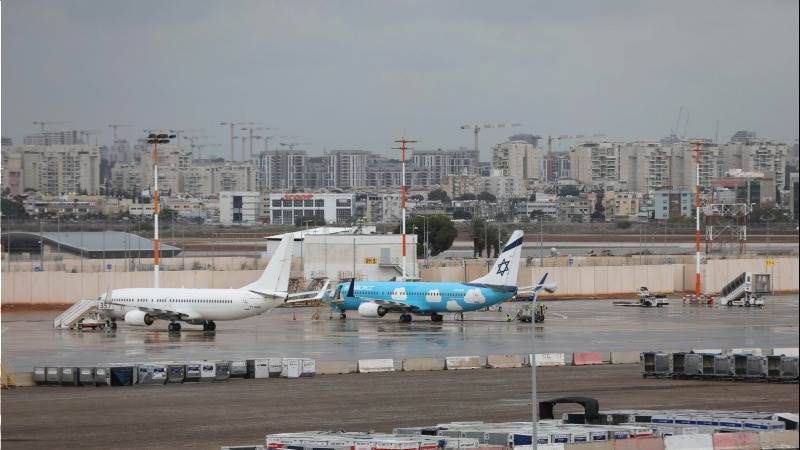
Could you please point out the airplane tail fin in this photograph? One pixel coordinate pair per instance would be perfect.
(274, 281)
(505, 269)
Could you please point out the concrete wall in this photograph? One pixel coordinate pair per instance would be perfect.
(64, 287)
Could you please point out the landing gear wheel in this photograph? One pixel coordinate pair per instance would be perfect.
(436, 317)
(730, 303)
(405, 318)
(211, 325)
(171, 327)
(80, 327)
(113, 325)
(343, 316)
(175, 327)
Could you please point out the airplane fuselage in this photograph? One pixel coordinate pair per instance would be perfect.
(422, 297)
(197, 304)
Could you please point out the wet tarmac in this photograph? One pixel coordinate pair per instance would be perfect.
(595, 325)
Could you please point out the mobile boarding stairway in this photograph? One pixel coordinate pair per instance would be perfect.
(76, 312)
(745, 290)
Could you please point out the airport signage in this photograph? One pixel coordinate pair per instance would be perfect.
(370, 260)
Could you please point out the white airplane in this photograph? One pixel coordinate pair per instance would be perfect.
(142, 306)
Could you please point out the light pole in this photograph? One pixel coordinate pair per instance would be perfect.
(155, 139)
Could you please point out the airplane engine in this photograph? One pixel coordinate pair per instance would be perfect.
(370, 309)
(138, 318)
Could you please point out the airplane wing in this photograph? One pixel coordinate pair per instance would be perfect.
(165, 313)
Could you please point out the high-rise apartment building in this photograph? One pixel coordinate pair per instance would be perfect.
(66, 137)
(282, 170)
(350, 168)
(56, 169)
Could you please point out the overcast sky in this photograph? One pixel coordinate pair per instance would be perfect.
(357, 74)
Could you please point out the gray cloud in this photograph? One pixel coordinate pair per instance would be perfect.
(358, 73)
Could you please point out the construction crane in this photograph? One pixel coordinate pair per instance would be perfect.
(292, 145)
(179, 133)
(251, 137)
(114, 127)
(200, 148)
(42, 123)
(233, 125)
(192, 142)
(476, 129)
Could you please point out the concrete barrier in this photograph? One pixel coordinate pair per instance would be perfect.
(715, 351)
(422, 364)
(624, 357)
(463, 362)
(689, 442)
(639, 444)
(334, 367)
(375, 365)
(736, 441)
(24, 379)
(504, 361)
(547, 359)
(745, 351)
(785, 351)
(778, 439)
(608, 445)
(586, 358)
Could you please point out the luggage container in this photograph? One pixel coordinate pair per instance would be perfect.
(774, 368)
(239, 369)
(687, 364)
(152, 374)
(707, 365)
(102, 376)
(258, 368)
(176, 373)
(69, 376)
(207, 371)
(123, 375)
(292, 368)
(723, 366)
(756, 366)
(309, 368)
(40, 375)
(275, 365)
(655, 364)
(789, 369)
(193, 371)
(222, 370)
(86, 376)
(53, 375)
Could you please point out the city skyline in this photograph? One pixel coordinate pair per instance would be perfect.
(356, 76)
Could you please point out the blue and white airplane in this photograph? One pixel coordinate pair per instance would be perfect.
(376, 298)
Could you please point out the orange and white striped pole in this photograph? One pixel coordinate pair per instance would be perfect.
(403, 141)
(697, 220)
(155, 139)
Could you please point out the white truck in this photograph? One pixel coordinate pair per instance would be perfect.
(648, 299)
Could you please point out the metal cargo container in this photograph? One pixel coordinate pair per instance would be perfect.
(724, 366)
(86, 376)
(53, 375)
(193, 370)
(239, 369)
(40, 375)
(176, 373)
(102, 376)
(207, 371)
(789, 369)
(756, 366)
(687, 364)
(152, 373)
(69, 376)
(707, 365)
(309, 367)
(655, 364)
(222, 370)
(275, 366)
(292, 368)
(123, 375)
(258, 368)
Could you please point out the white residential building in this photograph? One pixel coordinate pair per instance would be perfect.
(293, 209)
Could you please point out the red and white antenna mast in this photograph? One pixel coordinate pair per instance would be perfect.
(156, 138)
(403, 141)
(697, 219)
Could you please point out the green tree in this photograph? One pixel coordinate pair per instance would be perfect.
(487, 197)
(440, 195)
(13, 209)
(441, 233)
(461, 214)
